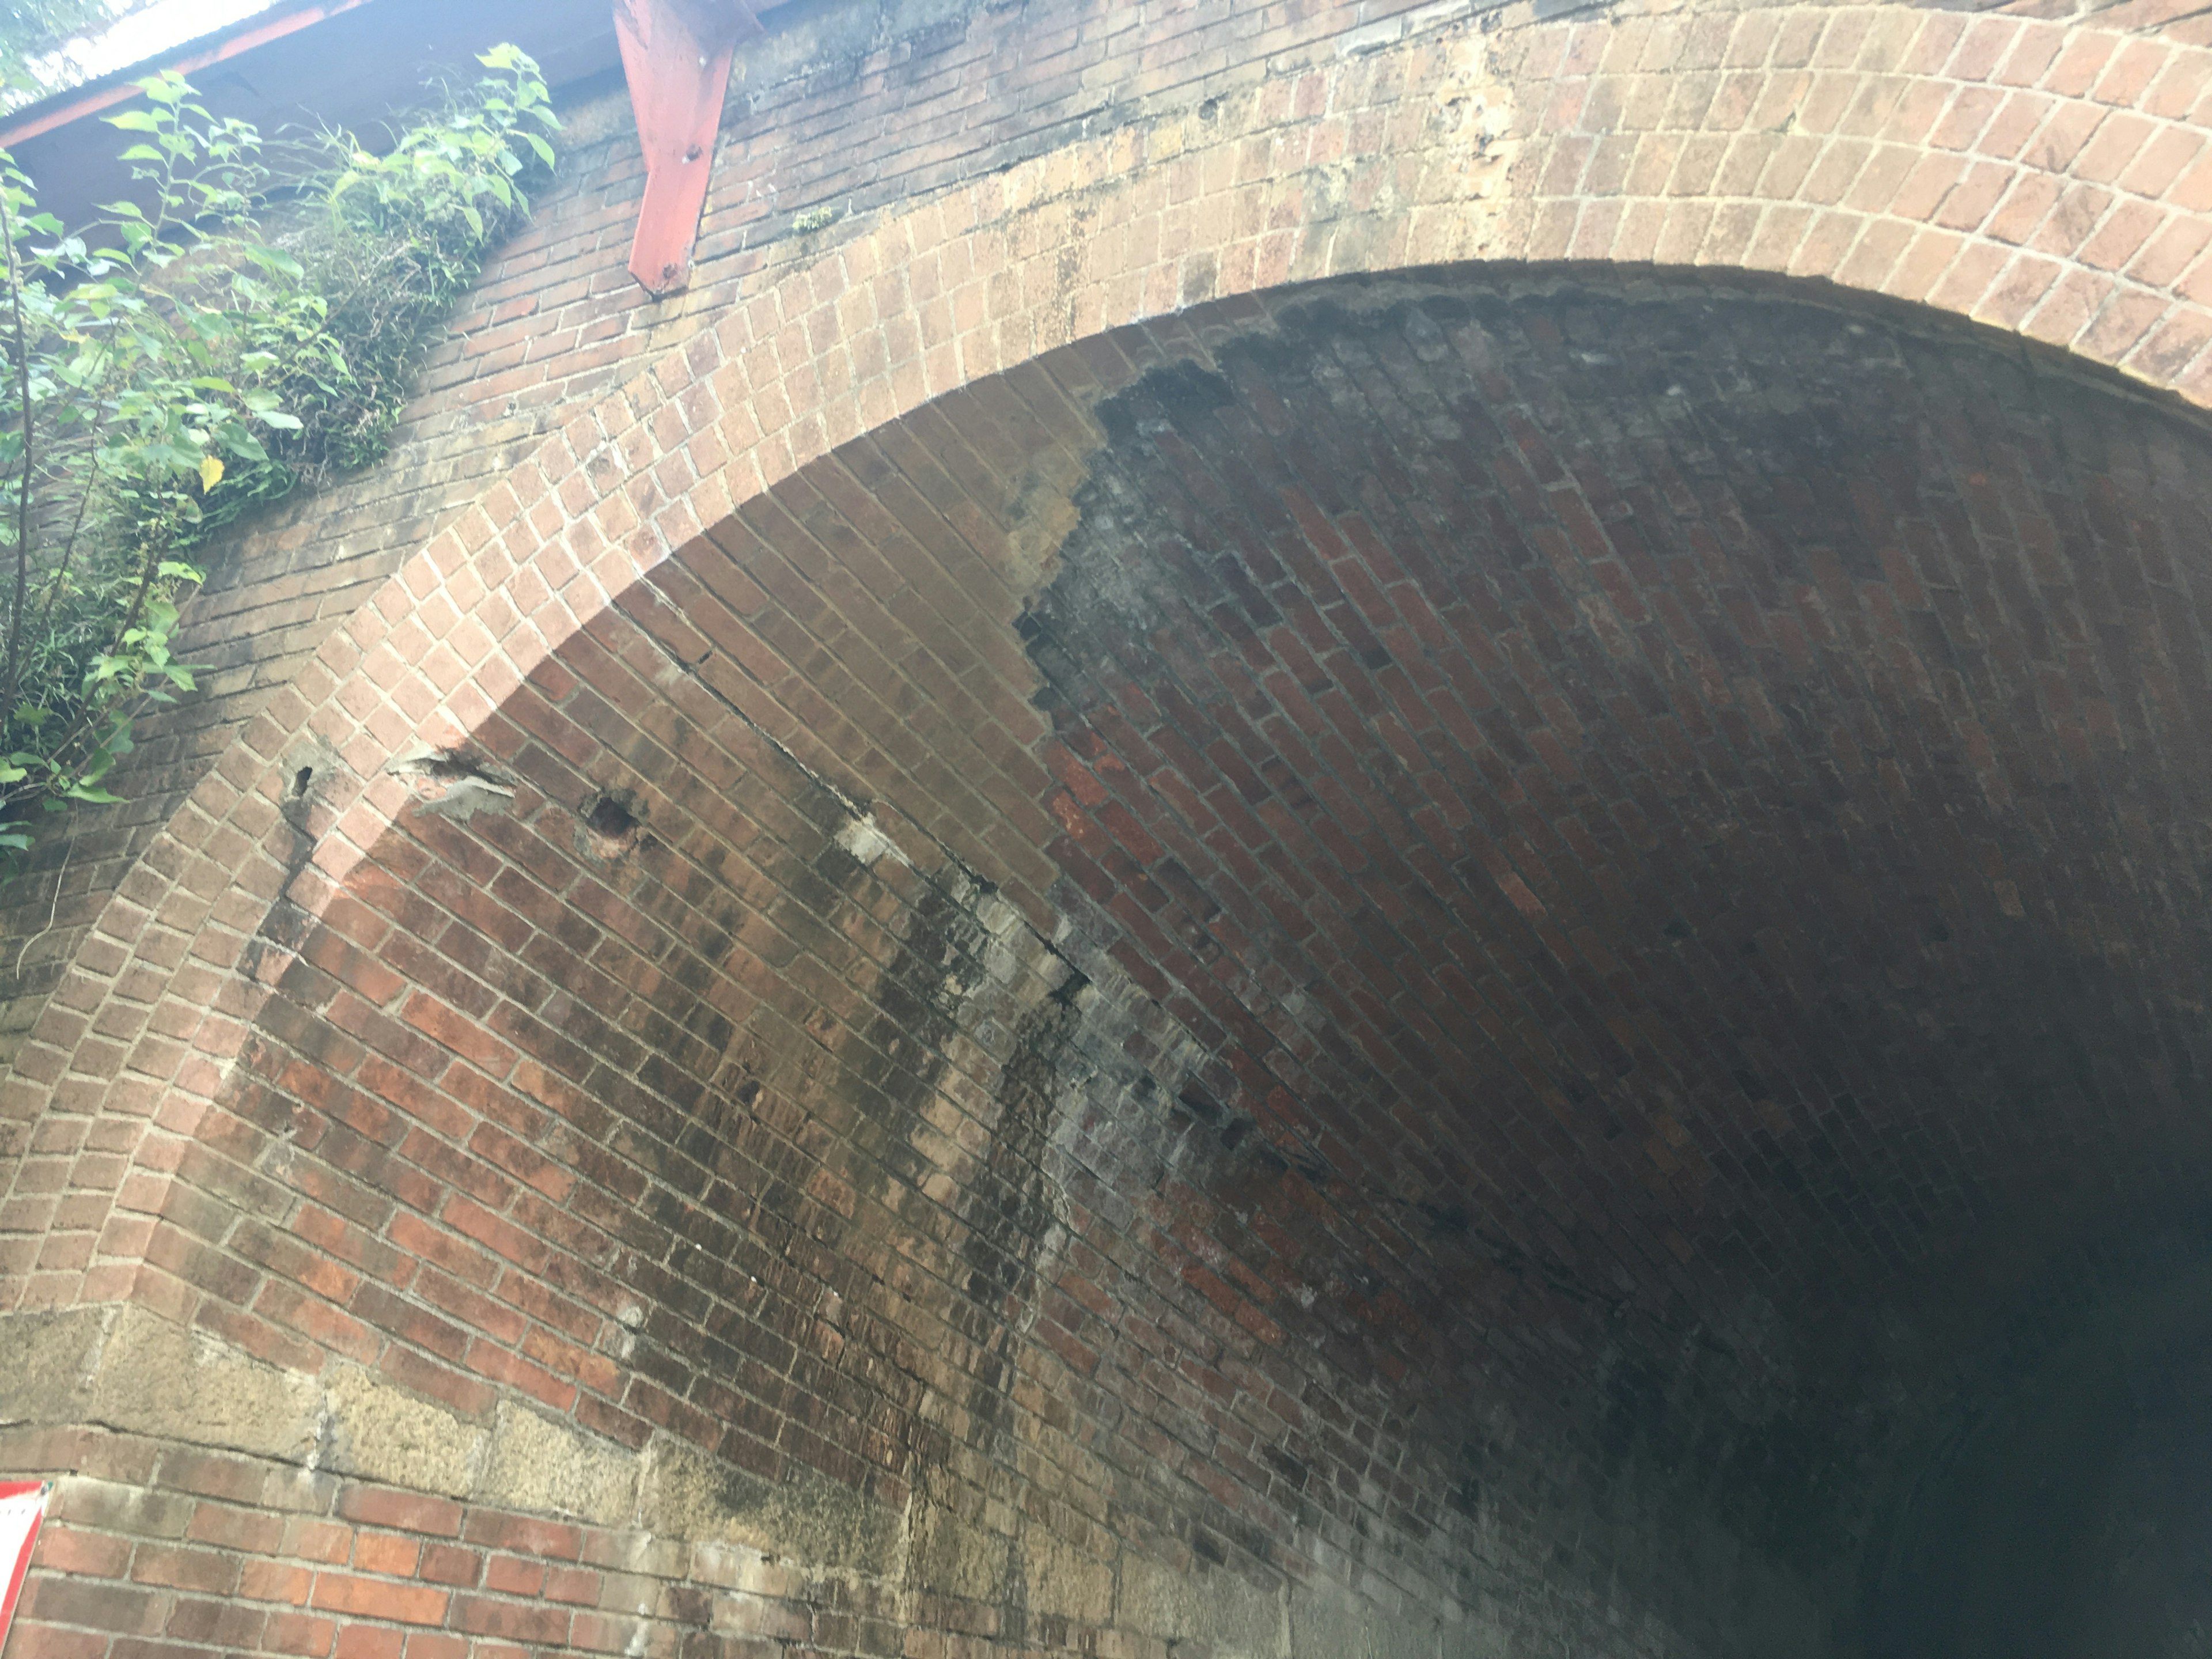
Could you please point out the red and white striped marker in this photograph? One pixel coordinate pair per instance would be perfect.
(22, 1508)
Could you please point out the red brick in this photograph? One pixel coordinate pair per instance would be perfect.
(348, 1593)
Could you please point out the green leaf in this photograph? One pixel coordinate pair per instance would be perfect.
(275, 259)
(167, 87)
(255, 362)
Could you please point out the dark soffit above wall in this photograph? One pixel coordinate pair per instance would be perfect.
(337, 62)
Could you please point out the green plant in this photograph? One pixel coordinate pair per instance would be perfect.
(178, 365)
(401, 236)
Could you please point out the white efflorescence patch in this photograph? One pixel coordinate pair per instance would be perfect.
(866, 841)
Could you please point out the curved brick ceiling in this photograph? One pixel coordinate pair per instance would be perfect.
(1683, 816)
(1421, 968)
(1614, 931)
(1688, 792)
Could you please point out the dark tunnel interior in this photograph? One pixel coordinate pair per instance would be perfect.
(1684, 812)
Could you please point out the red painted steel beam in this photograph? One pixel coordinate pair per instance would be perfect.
(676, 56)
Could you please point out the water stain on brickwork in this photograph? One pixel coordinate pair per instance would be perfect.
(1589, 1034)
(1555, 810)
(1436, 649)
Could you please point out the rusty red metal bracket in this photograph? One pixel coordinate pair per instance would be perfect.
(676, 56)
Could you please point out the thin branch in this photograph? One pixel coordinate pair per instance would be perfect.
(91, 710)
(139, 599)
(53, 913)
(68, 547)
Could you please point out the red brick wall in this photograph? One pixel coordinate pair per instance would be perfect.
(855, 114)
(1314, 978)
(171, 1550)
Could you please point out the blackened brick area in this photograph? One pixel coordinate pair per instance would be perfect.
(1432, 966)
(1678, 821)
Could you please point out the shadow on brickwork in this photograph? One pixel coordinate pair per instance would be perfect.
(1684, 810)
(2065, 1517)
(1603, 1049)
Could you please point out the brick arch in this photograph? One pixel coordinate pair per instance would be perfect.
(2039, 179)
(1010, 310)
(530, 1081)
(2043, 179)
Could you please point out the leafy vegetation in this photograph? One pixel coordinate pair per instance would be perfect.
(179, 364)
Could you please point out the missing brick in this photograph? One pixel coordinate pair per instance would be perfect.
(612, 825)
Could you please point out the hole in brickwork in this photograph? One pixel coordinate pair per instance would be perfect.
(447, 768)
(1200, 1105)
(609, 818)
(456, 785)
(300, 779)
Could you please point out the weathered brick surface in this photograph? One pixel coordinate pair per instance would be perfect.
(856, 113)
(1357, 968)
(1914, 154)
(162, 1550)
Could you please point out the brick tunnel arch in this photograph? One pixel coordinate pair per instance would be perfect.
(900, 1128)
(1584, 871)
(1520, 144)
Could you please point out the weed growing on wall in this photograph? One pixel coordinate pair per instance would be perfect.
(178, 365)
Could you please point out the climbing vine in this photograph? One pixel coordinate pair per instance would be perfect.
(182, 362)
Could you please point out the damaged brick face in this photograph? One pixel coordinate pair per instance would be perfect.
(1492, 959)
(1602, 776)
(1625, 862)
